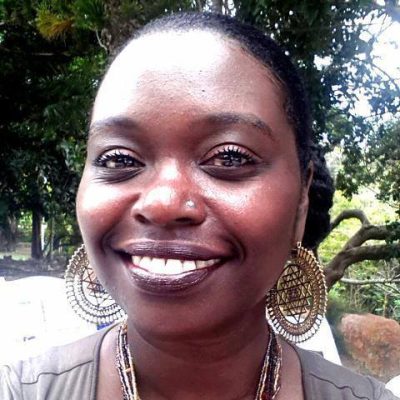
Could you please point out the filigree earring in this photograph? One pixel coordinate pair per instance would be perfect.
(86, 294)
(296, 304)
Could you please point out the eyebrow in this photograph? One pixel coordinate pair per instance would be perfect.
(222, 118)
(230, 118)
(99, 127)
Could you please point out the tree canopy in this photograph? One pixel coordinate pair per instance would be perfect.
(46, 90)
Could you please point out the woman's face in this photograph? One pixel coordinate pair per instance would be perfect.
(191, 197)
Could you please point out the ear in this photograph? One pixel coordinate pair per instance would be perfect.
(302, 209)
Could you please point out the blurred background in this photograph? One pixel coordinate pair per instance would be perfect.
(52, 55)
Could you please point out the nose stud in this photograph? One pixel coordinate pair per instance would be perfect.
(190, 204)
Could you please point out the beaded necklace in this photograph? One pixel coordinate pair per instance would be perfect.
(268, 385)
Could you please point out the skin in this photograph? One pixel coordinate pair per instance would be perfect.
(174, 102)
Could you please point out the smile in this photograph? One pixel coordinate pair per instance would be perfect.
(163, 267)
(171, 266)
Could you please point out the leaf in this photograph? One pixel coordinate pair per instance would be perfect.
(53, 26)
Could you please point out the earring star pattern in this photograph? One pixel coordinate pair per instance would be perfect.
(294, 293)
(296, 305)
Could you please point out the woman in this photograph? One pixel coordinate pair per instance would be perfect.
(197, 185)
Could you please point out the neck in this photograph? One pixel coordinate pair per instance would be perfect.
(224, 363)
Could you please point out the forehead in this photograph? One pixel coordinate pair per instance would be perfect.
(183, 50)
(202, 66)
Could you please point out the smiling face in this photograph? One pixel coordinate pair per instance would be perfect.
(191, 197)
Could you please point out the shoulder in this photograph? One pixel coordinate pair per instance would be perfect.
(73, 365)
(325, 380)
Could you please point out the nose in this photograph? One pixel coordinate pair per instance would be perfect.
(171, 199)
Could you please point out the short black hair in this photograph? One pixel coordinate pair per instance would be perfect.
(297, 106)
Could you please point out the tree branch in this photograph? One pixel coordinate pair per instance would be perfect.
(349, 214)
(367, 232)
(34, 54)
(392, 80)
(336, 268)
(368, 281)
(389, 8)
(101, 44)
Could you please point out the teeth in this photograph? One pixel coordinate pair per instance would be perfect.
(205, 264)
(189, 265)
(173, 266)
(157, 265)
(170, 266)
(145, 263)
(136, 260)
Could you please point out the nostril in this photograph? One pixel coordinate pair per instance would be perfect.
(179, 221)
(184, 220)
(142, 219)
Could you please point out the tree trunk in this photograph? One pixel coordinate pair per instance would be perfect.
(12, 239)
(8, 234)
(216, 6)
(51, 238)
(36, 246)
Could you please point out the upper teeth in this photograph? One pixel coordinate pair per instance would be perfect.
(170, 266)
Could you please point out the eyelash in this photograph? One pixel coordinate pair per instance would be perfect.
(230, 154)
(230, 162)
(117, 157)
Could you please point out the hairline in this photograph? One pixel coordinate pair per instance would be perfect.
(148, 30)
(225, 35)
(222, 35)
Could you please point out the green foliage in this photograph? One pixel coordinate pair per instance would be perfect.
(337, 306)
(311, 32)
(24, 226)
(382, 300)
(47, 88)
(334, 32)
(379, 213)
(89, 14)
(379, 299)
(56, 19)
(377, 164)
(52, 26)
(112, 22)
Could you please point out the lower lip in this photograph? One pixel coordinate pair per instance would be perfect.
(162, 284)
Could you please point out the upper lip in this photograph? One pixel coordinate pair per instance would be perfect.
(173, 250)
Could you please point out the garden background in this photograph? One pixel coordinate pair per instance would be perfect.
(53, 53)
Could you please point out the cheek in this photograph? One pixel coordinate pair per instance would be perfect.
(99, 208)
(261, 220)
(263, 215)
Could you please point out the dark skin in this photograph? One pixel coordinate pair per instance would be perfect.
(192, 117)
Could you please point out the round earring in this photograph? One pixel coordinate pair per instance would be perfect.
(86, 294)
(296, 304)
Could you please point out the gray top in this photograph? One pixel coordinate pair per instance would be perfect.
(70, 373)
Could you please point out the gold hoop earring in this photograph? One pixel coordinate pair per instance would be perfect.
(296, 304)
(85, 293)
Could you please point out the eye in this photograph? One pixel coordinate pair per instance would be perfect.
(232, 162)
(231, 156)
(118, 159)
